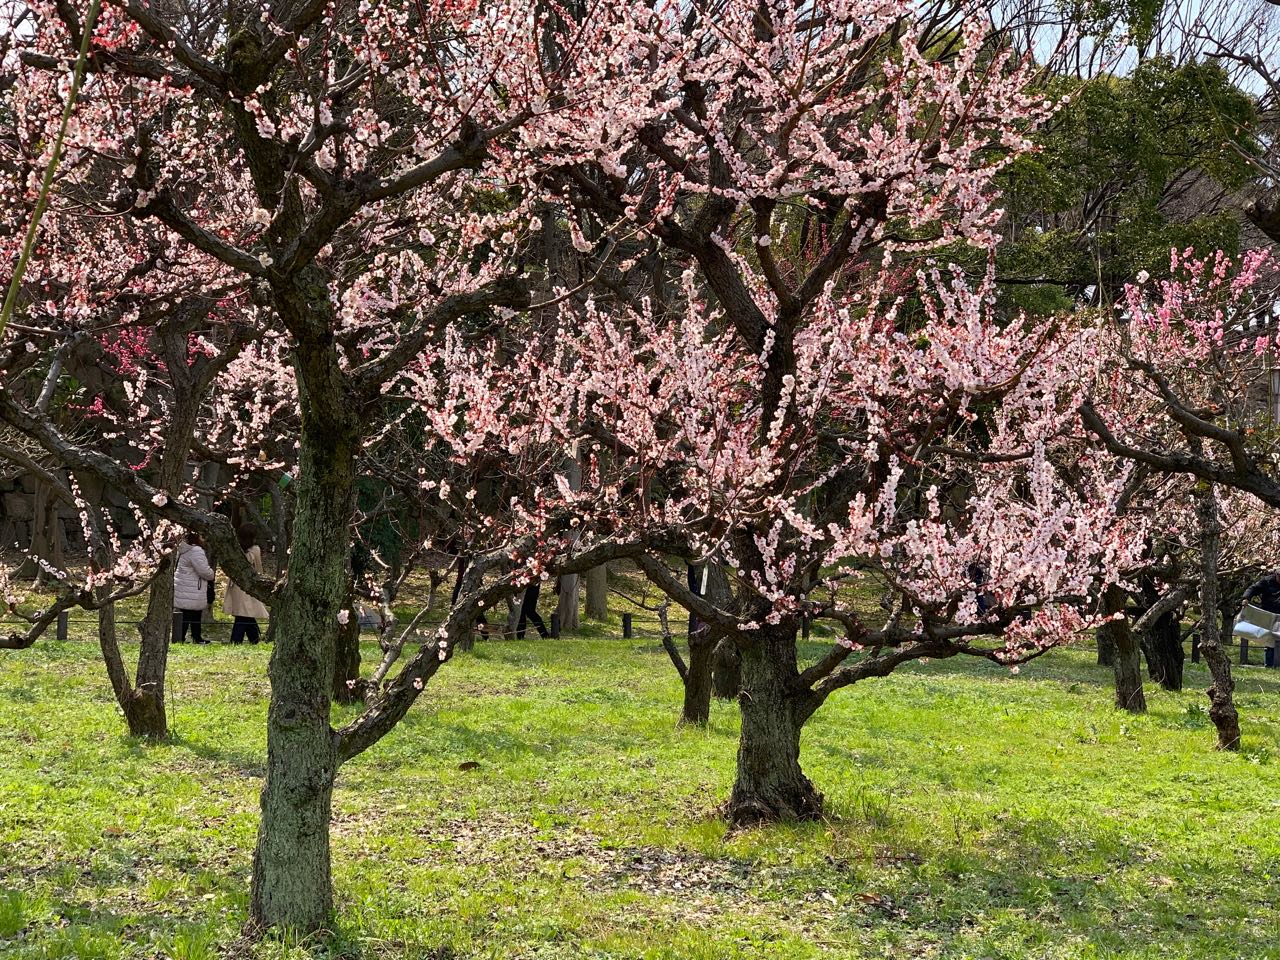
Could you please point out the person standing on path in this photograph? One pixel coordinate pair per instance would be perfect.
(245, 609)
(189, 592)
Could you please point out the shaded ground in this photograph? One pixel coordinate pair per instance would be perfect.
(540, 803)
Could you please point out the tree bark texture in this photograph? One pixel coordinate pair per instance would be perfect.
(1162, 645)
(696, 709)
(726, 670)
(347, 685)
(598, 593)
(292, 886)
(770, 785)
(1222, 708)
(1106, 649)
(1127, 663)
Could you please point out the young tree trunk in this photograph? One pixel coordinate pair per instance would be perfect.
(1128, 658)
(567, 602)
(143, 714)
(292, 886)
(155, 632)
(148, 715)
(1222, 708)
(598, 593)
(770, 785)
(347, 686)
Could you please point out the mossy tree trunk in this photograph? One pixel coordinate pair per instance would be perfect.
(770, 785)
(292, 886)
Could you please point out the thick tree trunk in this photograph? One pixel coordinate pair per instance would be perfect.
(1128, 658)
(1106, 649)
(726, 670)
(1222, 708)
(292, 886)
(1162, 644)
(696, 710)
(598, 593)
(770, 785)
(567, 604)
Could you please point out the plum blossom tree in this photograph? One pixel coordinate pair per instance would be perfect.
(366, 176)
(922, 463)
(1196, 351)
(800, 406)
(342, 166)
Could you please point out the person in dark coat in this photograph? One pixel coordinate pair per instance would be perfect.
(1265, 593)
(529, 612)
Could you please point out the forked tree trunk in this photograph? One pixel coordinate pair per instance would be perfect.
(1222, 708)
(148, 715)
(770, 785)
(1128, 657)
(1161, 640)
(598, 593)
(144, 714)
(292, 884)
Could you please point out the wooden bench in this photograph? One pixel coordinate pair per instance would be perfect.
(1260, 628)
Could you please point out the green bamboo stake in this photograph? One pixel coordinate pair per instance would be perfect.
(42, 200)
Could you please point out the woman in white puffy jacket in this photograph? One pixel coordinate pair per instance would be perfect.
(190, 594)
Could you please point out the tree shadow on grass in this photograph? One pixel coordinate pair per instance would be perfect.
(1034, 879)
(20, 694)
(451, 742)
(243, 763)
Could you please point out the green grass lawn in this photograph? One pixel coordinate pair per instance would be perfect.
(973, 813)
